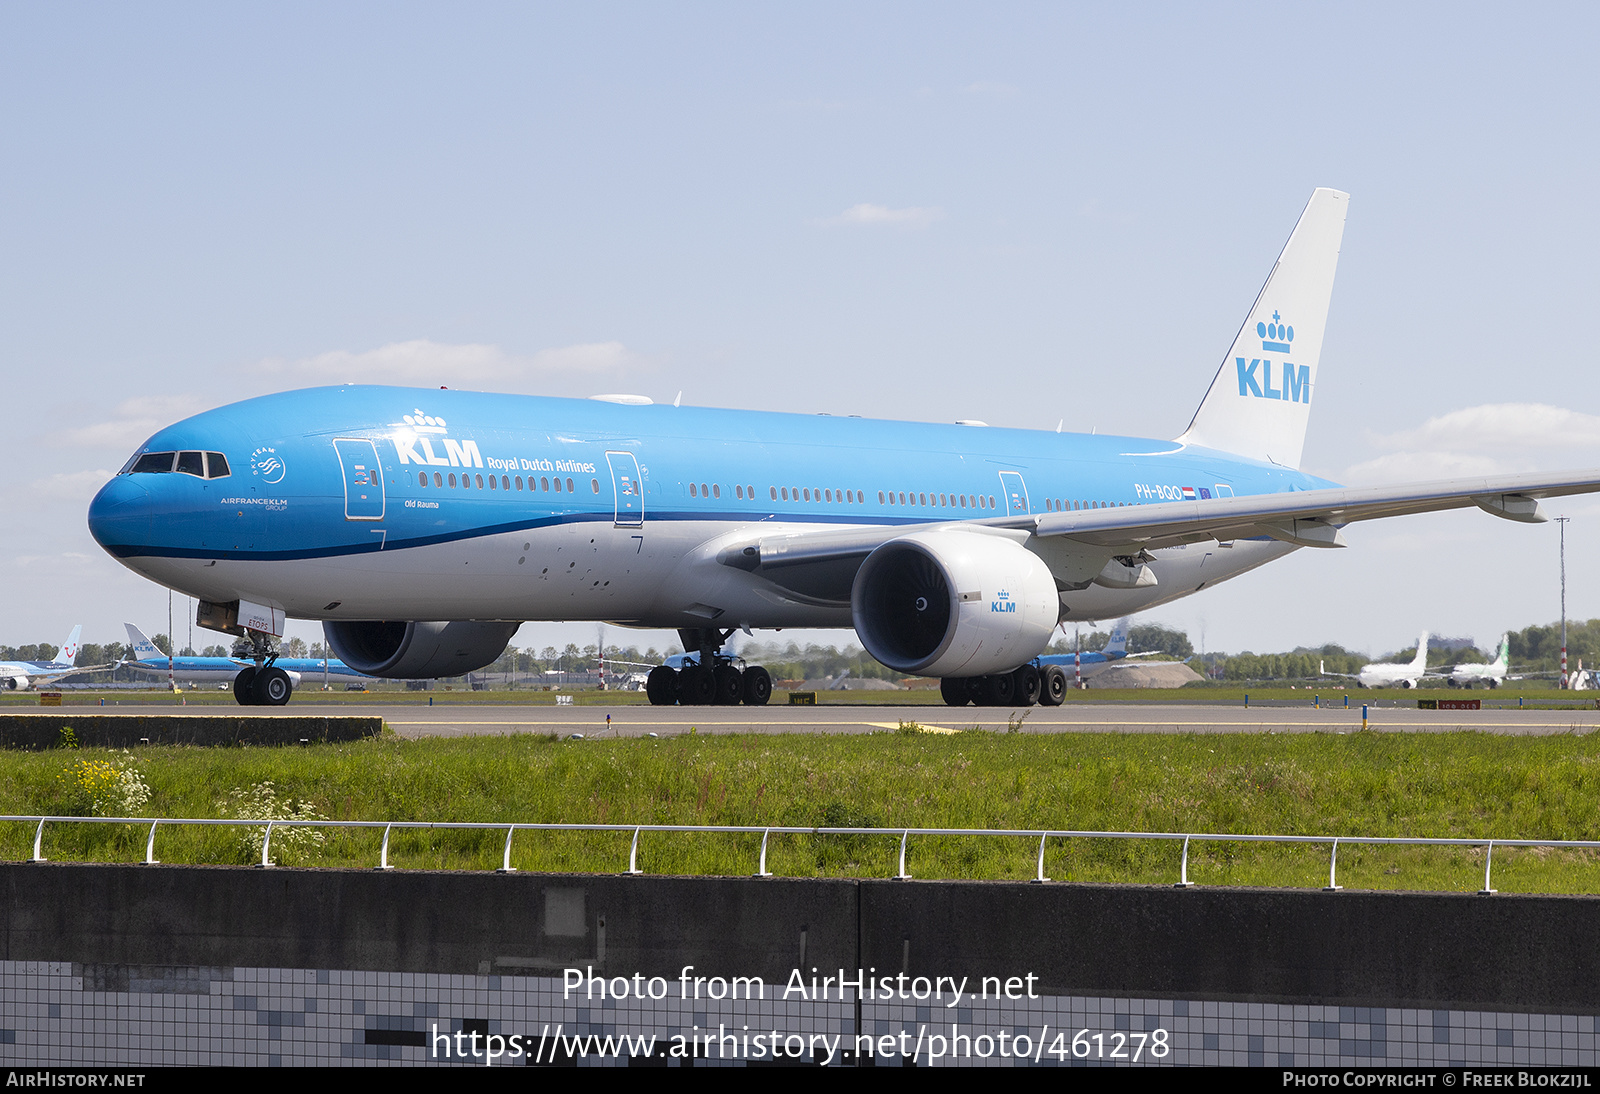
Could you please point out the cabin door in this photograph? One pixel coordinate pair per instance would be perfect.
(627, 488)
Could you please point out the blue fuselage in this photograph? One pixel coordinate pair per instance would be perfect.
(362, 503)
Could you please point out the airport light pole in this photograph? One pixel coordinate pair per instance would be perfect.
(1562, 521)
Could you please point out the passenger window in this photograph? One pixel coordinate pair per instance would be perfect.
(505, 484)
(558, 486)
(438, 480)
(216, 465)
(422, 478)
(570, 487)
(774, 490)
(594, 484)
(491, 482)
(693, 491)
(480, 482)
(519, 483)
(716, 490)
(544, 483)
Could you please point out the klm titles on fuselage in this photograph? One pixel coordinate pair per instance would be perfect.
(467, 454)
(1294, 381)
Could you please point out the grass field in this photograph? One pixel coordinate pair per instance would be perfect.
(1457, 785)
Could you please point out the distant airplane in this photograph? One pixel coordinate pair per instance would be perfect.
(17, 675)
(149, 660)
(1492, 674)
(1388, 674)
(1115, 649)
(424, 526)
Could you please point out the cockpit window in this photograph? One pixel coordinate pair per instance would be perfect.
(152, 462)
(202, 465)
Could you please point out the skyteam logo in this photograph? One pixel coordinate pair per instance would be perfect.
(413, 438)
(1002, 603)
(1294, 381)
(265, 463)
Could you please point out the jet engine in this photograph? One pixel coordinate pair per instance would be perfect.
(954, 603)
(417, 651)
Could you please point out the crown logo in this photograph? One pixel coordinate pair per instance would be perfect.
(1275, 335)
(424, 423)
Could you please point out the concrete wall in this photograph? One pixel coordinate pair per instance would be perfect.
(40, 731)
(1357, 949)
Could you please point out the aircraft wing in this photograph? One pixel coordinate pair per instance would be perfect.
(1309, 518)
(820, 565)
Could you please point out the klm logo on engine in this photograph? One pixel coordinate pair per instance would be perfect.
(1002, 603)
(1255, 375)
(414, 442)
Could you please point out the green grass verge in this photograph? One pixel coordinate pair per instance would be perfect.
(1447, 785)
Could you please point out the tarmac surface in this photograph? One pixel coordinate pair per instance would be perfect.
(414, 719)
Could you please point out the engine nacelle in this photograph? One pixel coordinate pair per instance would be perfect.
(14, 683)
(418, 651)
(954, 603)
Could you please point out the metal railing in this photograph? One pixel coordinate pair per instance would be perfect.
(1044, 836)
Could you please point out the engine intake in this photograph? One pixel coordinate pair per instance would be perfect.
(954, 603)
(418, 651)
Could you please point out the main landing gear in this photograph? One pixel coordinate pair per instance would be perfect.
(716, 679)
(1022, 687)
(264, 685)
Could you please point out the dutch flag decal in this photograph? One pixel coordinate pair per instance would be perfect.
(1188, 493)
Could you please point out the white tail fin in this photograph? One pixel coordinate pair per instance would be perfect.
(143, 648)
(1118, 642)
(1420, 661)
(1503, 658)
(1260, 400)
(68, 653)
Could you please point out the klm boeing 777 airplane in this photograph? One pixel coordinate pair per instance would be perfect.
(423, 527)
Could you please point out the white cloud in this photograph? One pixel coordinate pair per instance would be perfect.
(1421, 467)
(432, 364)
(990, 87)
(1510, 426)
(867, 213)
(68, 486)
(132, 422)
(1493, 439)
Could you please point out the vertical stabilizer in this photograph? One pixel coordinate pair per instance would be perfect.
(1117, 645)
(1260, 400)
(68, 653)
(143, 648)
(1420, 661)
(1502, 659)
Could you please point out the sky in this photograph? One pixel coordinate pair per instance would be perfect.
(1023, 213)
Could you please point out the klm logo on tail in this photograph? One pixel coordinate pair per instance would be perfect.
(1294, 381)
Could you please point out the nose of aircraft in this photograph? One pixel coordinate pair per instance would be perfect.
(121, 515)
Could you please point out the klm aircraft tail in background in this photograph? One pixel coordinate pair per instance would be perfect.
(1260, 400)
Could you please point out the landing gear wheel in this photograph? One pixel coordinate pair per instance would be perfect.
(244, 688)
(757, 686)
(729, 685)
(662, 686)
(696, 686)
(272, 687)
(999, 690)
(957, 690)
(1053, 686)
(1027, 683)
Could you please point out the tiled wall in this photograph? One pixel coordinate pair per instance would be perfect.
(72, 1014)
